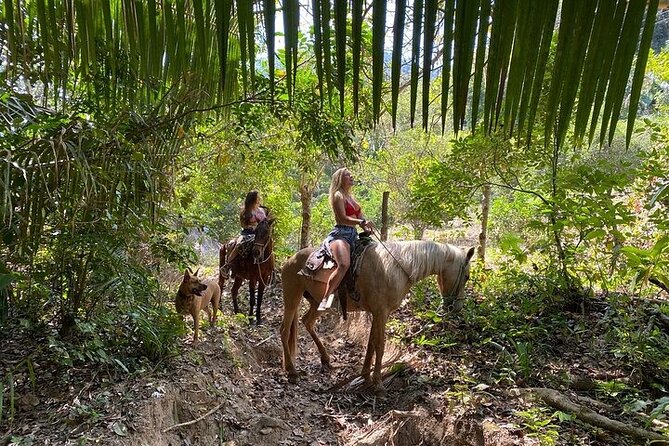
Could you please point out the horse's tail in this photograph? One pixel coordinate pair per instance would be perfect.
(222, 252)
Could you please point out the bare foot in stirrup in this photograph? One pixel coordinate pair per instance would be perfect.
(326, 302)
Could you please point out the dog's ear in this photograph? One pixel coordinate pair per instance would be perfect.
(270, 221)
(187, 273)
(196, 272)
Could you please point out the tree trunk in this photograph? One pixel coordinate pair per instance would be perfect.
(553, 217)
(418, 231)
(485, 212)
(305, 199)
(384, 216)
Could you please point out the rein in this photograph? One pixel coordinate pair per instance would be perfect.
(411, 280)
(263, 247)
(452, 295)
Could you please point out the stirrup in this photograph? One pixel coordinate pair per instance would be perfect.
(325, 304)
(225, 270)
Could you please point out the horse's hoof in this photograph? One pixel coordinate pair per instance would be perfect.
(292, 379)
(326, 367)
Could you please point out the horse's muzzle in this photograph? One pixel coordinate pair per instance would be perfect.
(453, 304)
(257, 253)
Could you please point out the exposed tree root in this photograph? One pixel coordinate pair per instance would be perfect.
(393, 361)
(562, 402)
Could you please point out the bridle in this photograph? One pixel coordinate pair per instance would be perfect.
(452, 296)
(262, 247)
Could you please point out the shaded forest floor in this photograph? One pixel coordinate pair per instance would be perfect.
(461, 393)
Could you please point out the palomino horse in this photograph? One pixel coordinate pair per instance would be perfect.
(257, 268)
(386, 274)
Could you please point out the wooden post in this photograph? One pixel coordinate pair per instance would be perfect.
(384, 216)
(305, 231)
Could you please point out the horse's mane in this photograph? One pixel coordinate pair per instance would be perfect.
(418, 258)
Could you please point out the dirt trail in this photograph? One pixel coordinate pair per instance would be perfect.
(234, 385)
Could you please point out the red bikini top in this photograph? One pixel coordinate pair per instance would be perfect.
(351, 211)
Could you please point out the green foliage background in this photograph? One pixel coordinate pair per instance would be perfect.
(103, 209)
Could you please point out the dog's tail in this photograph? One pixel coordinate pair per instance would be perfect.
(222, 253)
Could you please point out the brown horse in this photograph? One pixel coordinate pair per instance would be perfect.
(257, 268)
(386, 274)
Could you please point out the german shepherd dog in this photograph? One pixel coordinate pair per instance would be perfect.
(194, 296)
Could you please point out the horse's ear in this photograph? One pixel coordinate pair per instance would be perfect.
(470, 253)
(270, 221)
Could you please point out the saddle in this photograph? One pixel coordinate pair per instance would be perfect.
(244, 245)
(319, 266)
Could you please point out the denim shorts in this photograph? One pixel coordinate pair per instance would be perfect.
(342, 232)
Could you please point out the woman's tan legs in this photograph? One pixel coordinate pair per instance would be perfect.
(341, 253)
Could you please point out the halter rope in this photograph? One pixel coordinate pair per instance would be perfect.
(456, 285)
(375, 234)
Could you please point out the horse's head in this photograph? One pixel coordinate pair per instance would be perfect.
(263, 237)
(451, 280)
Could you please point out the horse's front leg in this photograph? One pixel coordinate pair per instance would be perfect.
(234, 291)
(261, 291)
(309, 321)
(252, 296)
(367, 365)
(377, 339)
(292, 297)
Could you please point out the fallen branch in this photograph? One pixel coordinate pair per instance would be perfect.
(562, 402)
(405, 414)
(188, 423)
(658, 283)
(264, 340)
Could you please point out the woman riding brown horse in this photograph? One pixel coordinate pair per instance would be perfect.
(257, 268)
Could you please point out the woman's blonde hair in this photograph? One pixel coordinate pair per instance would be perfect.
(335, 185)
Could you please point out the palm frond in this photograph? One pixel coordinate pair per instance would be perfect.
(449, 12)
(398, 39)
(137, 52)
(269, 11)
(484, 24)
(340, 46)
(415, 55)
(378, 38)
(640, 67)
(428, 41)
(356, 45)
